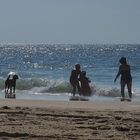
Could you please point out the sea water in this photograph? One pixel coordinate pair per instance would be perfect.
(44, 69)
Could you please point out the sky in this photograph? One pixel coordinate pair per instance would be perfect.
(70, 21)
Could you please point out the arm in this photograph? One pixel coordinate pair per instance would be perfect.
(118, 74)
(88, 80)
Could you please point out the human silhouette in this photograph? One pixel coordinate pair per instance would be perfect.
(85, 87)
(74, 79)
(126, 78)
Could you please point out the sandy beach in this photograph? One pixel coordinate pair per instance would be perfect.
(74, 120)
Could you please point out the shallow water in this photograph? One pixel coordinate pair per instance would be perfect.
(44, 70)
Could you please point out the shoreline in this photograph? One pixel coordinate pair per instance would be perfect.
(89, 105)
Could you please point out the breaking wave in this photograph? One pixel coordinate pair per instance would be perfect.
(45, 86)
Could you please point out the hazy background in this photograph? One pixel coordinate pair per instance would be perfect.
(70, 21)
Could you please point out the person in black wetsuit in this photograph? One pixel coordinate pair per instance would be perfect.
(126, 78)
(74, 79)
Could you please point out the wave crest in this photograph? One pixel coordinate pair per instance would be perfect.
(113, 92)
(44, 86)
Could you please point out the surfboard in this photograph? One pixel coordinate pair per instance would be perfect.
(78, 98)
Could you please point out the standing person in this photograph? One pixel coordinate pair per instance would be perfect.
(74, 79)
(126, 78)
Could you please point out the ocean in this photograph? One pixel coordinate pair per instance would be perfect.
(44, 69)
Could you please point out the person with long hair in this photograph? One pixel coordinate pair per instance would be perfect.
(126, 78)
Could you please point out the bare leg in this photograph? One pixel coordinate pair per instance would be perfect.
(129, 87)
(74, 88)
(79, 88)
(122, 89)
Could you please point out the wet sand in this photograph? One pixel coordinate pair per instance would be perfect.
(74, 120)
